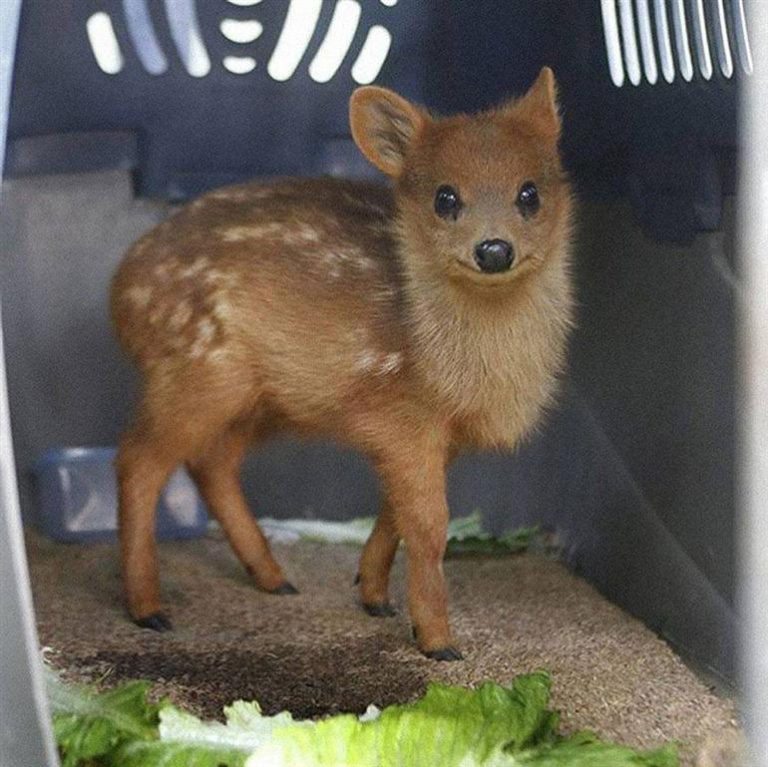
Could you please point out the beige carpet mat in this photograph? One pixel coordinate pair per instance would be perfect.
(318, 653)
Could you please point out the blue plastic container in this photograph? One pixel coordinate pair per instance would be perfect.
(76, 498)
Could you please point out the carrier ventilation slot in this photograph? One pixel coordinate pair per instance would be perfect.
(142, 34)
(682, 38)
(106, 49)
(185, 31)
(337, 41)
(297, 34)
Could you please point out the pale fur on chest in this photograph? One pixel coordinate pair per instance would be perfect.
(494, 368)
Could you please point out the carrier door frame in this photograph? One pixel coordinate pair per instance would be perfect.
(26, 734)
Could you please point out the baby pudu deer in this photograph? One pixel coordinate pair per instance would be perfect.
(410, 322)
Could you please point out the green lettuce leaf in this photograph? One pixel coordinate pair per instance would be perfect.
(483, 543)
(141, 753)
(448, 726)
(466, 535)
(585, 750)
(90, 727)
(186, 741)
(491, 726)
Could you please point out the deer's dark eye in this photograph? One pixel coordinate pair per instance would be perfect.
(528, 201)
(447, 202)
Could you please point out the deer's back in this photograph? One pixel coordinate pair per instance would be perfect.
(297, 280)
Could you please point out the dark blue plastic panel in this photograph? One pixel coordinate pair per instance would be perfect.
(198, 124)
(197, 130)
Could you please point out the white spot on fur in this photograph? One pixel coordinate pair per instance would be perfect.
(333, 262)
(217, 355)
(197, 350)
(193, 269)
(371, 362)
(222, 308)
(331, 257)
(366, 361)
(163, 270)
(182, 314)
(139, 296)
(390, 363)
(212, 276)
(220, 280)
(206, 330)
(253, 232)
(347, 255)
(307, 232)
(300, 233)
(364, 263)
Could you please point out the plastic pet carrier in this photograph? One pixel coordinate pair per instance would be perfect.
(120, 109)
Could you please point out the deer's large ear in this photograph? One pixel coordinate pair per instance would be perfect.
(540, 106)
(384, 125)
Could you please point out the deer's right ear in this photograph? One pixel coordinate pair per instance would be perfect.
(383, 126)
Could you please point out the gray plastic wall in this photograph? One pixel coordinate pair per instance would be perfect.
(25, 726)
(634, 469)
(753, 399)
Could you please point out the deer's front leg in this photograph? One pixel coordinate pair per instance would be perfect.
(376, 563)
(415, 484)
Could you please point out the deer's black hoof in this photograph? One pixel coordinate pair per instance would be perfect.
(380, 610)
(157, 622)
(444, 653)
(285, 588)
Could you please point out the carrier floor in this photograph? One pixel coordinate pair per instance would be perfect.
(319, 653)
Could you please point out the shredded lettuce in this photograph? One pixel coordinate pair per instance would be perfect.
(355, 531)
(491, 726)
(89, 728)
(186, 741)
(466, 535)
(484, 543)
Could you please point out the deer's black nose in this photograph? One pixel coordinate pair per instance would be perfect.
(494, 256)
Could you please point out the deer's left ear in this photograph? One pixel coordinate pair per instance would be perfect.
(539, 104)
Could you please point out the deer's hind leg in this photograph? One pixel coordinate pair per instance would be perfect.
(144, 463)
(177, 422)
(217, 475)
